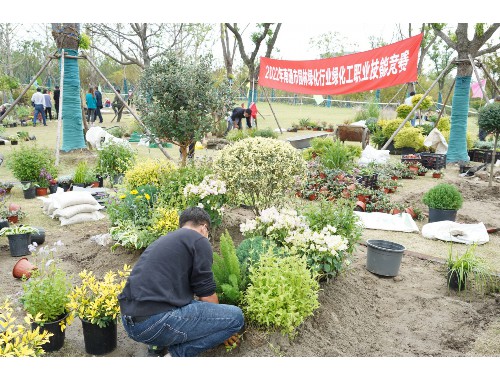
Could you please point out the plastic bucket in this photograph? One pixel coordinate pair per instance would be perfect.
(384, 257)
(56, 341)
(99, 340)
(18, 244)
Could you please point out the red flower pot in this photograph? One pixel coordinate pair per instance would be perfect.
(42, 191)
(13, 219)
(360, 206)
(23, 267)
(409, 210)
(436, 175)
(312, 197)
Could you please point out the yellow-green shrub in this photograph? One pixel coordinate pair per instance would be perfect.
(259, 170)
(390, 126)
(426, 104)
(409, 138)
(164, 221)
(403, 110)
(147, 172)
(282, 292)
(444, 124)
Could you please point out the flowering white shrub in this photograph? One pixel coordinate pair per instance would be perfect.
(325, 251)
(274, 224)
(260, 171)
(210, 195)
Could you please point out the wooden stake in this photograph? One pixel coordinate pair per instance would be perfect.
(478, 79)
(275, 118)
(156, 140)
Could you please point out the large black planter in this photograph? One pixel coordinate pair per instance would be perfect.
(18, 244)
(56, 341)
(99, 340)
(437, 215)
(30, 193)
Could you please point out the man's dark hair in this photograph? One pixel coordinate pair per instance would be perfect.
(39, 89)
(57, 87)
(412, 93)
(195, 215)
(248, 111)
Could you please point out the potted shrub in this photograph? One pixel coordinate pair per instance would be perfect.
(114, 159)
(17, 339)
(19, 239)
(65, 181)
(46, 296)
(466, 266)
(95, 302)
(489, 120)
(14, 139)
(26, 162)
(443, 201)
(438, 173)
(409, 140)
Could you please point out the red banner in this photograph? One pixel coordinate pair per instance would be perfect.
(370, 70)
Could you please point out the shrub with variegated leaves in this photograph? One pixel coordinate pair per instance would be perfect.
(259, 171)
(147, 172)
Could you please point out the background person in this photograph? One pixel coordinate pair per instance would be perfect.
(408, 102)
(157, 304)
(234, 121)
(91, 105)
(48, 104)
(98, 100)
(117, 105)
(38, 101)
(57, 94)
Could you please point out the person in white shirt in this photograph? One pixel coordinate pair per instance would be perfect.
(38, 102)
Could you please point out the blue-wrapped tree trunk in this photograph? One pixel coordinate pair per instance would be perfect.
(73, 137)
(457, 145)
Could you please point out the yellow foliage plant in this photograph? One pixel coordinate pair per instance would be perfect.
(147, 172)
(164, 221)
(18, 339)
(96, 301)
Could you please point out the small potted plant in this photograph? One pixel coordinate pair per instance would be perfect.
(19, 239)
(29, 190)
(421, 169)
(95, 302)
(46, 296)
(460, 268)
(65, 181)
(13, 215)
(438, 173)
(114, 159)
(14, 139)
(42, 186)
(23, 113)
(7, 186)
(81, 174)
(443, 201)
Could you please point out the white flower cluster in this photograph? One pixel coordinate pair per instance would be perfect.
(209, 186)
(311, 242)
(272, 220)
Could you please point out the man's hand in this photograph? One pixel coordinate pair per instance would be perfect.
(232, 341)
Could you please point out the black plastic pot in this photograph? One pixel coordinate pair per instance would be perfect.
(4, 223)
(99, 340)
(453, 281)
(30, 193)
(56, 341)
(438, 215)
(52, 189)
(38, 237)
(101, 180)
(18, 244)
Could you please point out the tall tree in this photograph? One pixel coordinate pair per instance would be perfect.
(264, 32)
(457, 149)
(228, 50)
(67, 37)
(440, 55)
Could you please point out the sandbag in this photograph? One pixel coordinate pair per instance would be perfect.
(81, 218)
(70, 211)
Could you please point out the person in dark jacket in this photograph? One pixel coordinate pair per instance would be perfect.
(57, 94)
(157, 303)
(234, 121)
(117, 105)
(98, 100)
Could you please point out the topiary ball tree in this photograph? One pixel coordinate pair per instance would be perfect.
(259, 171)
(443, 197)
(489, 120)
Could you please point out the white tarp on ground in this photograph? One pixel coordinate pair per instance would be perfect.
(381, 221)
(457, 232)
(370, 154)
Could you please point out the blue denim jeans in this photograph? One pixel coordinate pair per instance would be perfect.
(188, 330)
(39, 109)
